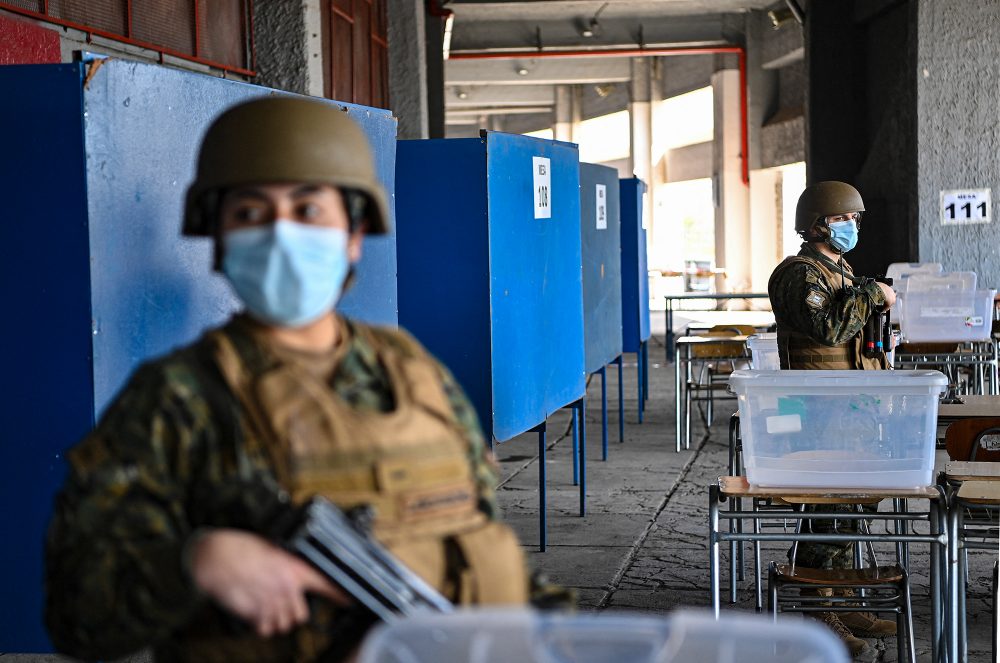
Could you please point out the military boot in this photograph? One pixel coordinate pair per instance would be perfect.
(868, 625)
(858, 648)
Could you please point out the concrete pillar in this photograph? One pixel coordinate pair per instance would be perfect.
(765, 225)
(640, 110)
(495, 122)
(280, 42)
(577, 112)
(408, 67)
(732, 213)
(434, 50)
(958, 130)
(563, 127)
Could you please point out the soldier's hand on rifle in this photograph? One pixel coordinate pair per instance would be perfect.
(257, 581)
(890, 294)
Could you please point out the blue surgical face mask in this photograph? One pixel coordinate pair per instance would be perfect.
(843, 235)
(287, 273)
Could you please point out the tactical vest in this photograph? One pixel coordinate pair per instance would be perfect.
(411, 464)
(799, 351)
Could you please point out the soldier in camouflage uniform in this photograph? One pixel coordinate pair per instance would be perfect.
(156, 538)
(821, 308)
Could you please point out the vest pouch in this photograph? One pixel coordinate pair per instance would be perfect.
(495, 572)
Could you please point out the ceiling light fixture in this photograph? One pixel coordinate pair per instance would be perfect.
(593, 28)
(521, 71)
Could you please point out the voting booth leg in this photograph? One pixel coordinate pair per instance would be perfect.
(582, 404)
(639, 378)
(576, 446)
(621, 402)
(645, 373)
(540, 429)
(604, 412)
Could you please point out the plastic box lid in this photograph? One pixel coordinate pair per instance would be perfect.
(524, 636)
(901, 271)
(742, 380)
(959, 281)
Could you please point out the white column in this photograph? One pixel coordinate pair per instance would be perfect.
(641, 121)
(313, 18)
(765, 226)
(732, 196)
(563, 129)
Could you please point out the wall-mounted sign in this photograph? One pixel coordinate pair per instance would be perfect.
(962, 206)
(602, 207)
(542, 179)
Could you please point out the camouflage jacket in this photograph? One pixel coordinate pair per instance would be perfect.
(158, 466)
(804, 302)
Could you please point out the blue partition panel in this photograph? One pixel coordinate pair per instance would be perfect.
(635, 279)
(96, 275)
(600, 232)
(492, 290)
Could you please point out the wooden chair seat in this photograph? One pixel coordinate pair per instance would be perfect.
(841, 577)
(927, 348)
(791, 501)
(980, 492)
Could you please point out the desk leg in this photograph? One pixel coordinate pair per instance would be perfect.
(669, 340)
(677, 402)
(540, 429)
(645, 373)
(604, 412)
(953, 581)
(713, 537)
(576, 445)
(963, 570)
(938, 570)
(621, 401)
(583, 457)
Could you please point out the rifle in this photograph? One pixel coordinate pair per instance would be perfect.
(340, 547)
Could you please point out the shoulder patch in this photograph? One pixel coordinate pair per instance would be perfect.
(816, 299)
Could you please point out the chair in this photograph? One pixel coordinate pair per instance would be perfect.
(872, 589)
(716, 361)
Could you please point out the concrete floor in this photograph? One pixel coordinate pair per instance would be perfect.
(643, 544)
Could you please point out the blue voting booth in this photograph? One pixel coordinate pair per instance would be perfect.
(635, 282)
(96, 277)
(490, 273)
(600, 232)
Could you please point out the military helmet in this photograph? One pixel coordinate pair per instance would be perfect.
(825, 199)
(283, 139)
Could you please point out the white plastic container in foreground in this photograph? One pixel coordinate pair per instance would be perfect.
(838, 429)
(946, 316)
(764, 351)
(523, 636)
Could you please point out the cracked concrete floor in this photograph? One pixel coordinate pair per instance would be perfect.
(643, 545)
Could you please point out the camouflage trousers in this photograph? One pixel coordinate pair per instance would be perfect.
(828, 555)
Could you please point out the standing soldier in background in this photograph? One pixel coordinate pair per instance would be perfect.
(156, 538)
(821, 309)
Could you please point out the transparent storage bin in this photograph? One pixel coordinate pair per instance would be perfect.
(523, 636)
(764, 351)
(900, 272)
(838, 429)
(946, 315)
(949, 281)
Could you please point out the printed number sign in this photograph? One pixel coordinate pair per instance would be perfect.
(962, 206)
(542, 179)
(602, 207)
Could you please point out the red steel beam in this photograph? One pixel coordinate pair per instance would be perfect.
(638, 52)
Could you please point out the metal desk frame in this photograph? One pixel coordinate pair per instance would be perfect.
(669, 311)
(944, 630)
(980, 356)
(683, 365)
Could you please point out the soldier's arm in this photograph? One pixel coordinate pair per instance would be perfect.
(828, 316)
(115, 580)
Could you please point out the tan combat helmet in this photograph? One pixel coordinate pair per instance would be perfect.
(283, 139)
(825, 199)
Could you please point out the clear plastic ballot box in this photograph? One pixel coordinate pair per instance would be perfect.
(839, 429)
(524, 636)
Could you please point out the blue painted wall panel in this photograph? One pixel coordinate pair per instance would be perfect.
(45, 339)
(443, 251)
(635, 278)
(153, 291)
(536, 294)
(470, 248)
(602, 267)
(97, 274)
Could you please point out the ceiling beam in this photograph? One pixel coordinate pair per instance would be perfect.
(536, 72)
(457, 96)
